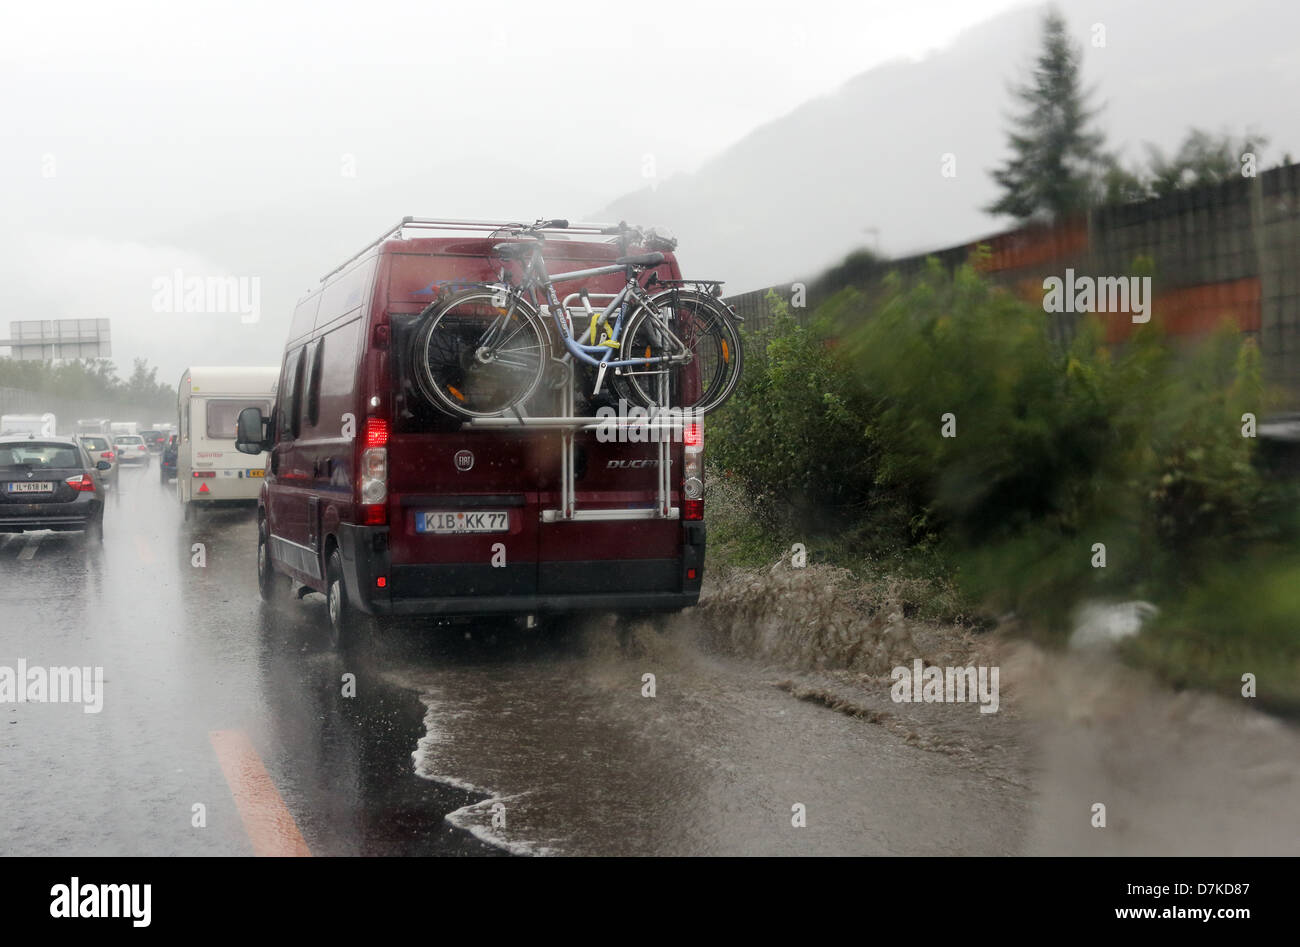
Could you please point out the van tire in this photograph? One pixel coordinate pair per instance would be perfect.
(267, 581)
(347, 623)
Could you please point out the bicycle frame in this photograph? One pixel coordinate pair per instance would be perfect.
(535, 277)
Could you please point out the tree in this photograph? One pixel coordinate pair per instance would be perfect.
(90, 381)
(1057, 158)
(1203, 158)
(1119, 185)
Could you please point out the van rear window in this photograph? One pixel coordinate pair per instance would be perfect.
(223, 414)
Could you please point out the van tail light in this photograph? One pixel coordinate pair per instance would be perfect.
(693, 471)
(376, 432)
(82, 483)
(205, 473)
(374, 479)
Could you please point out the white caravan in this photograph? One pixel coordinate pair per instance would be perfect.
(208, 468)
(42, 425)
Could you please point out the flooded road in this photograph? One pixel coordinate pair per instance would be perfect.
(230, 727)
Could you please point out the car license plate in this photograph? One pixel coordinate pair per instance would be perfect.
(468, 521)
(36, 486)
(257, 473)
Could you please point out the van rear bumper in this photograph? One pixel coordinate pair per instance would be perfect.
(611, 586)
(540, 604)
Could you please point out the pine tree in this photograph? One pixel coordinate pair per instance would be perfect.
(1057, 158)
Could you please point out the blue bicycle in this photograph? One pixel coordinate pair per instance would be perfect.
(484, 350)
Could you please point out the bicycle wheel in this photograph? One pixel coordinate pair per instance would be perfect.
(474, 359)
(704, 328)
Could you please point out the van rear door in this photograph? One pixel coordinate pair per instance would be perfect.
(587, 555)
(463, 512)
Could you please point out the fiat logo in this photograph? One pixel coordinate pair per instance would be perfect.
(464, 460)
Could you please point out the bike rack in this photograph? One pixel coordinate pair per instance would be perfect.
(569, 423)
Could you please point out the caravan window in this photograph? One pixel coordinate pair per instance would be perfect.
(223, 415)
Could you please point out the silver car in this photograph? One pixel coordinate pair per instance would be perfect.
(100, 448)
(131, 449)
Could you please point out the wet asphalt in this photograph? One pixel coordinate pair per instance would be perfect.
(469, 739)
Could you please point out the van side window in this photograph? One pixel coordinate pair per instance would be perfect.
(304, 317)
(311, 407)
(291, 394)
(337, 365)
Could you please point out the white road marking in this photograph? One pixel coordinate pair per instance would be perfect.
(30, 549)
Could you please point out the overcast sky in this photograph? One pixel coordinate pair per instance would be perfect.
(274, 139)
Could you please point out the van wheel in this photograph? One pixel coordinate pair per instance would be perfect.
(266, 577)
(347, 623)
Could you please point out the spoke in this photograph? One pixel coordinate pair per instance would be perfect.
(516, 366)
(513, 334)
(486, 339)
(523, 348)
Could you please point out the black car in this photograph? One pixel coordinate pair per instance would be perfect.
(49, 483)
(154, 440)
(167, 465)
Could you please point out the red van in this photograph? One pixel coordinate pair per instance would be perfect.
(388, 506)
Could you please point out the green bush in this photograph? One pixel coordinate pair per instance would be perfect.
(1056, 449)
(1059, 449)
(793, 433)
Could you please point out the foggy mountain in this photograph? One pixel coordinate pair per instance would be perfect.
(793, 196)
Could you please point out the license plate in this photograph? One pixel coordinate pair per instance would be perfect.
(257, 473)
(36, 486)
(470, 521)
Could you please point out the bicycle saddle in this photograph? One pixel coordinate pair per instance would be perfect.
(641, 259)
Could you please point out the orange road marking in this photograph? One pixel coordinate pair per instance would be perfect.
(267, 820)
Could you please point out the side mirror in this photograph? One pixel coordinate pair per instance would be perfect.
(103, 465)
(250, 432)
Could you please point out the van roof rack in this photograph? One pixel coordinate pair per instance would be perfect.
(471, 226)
